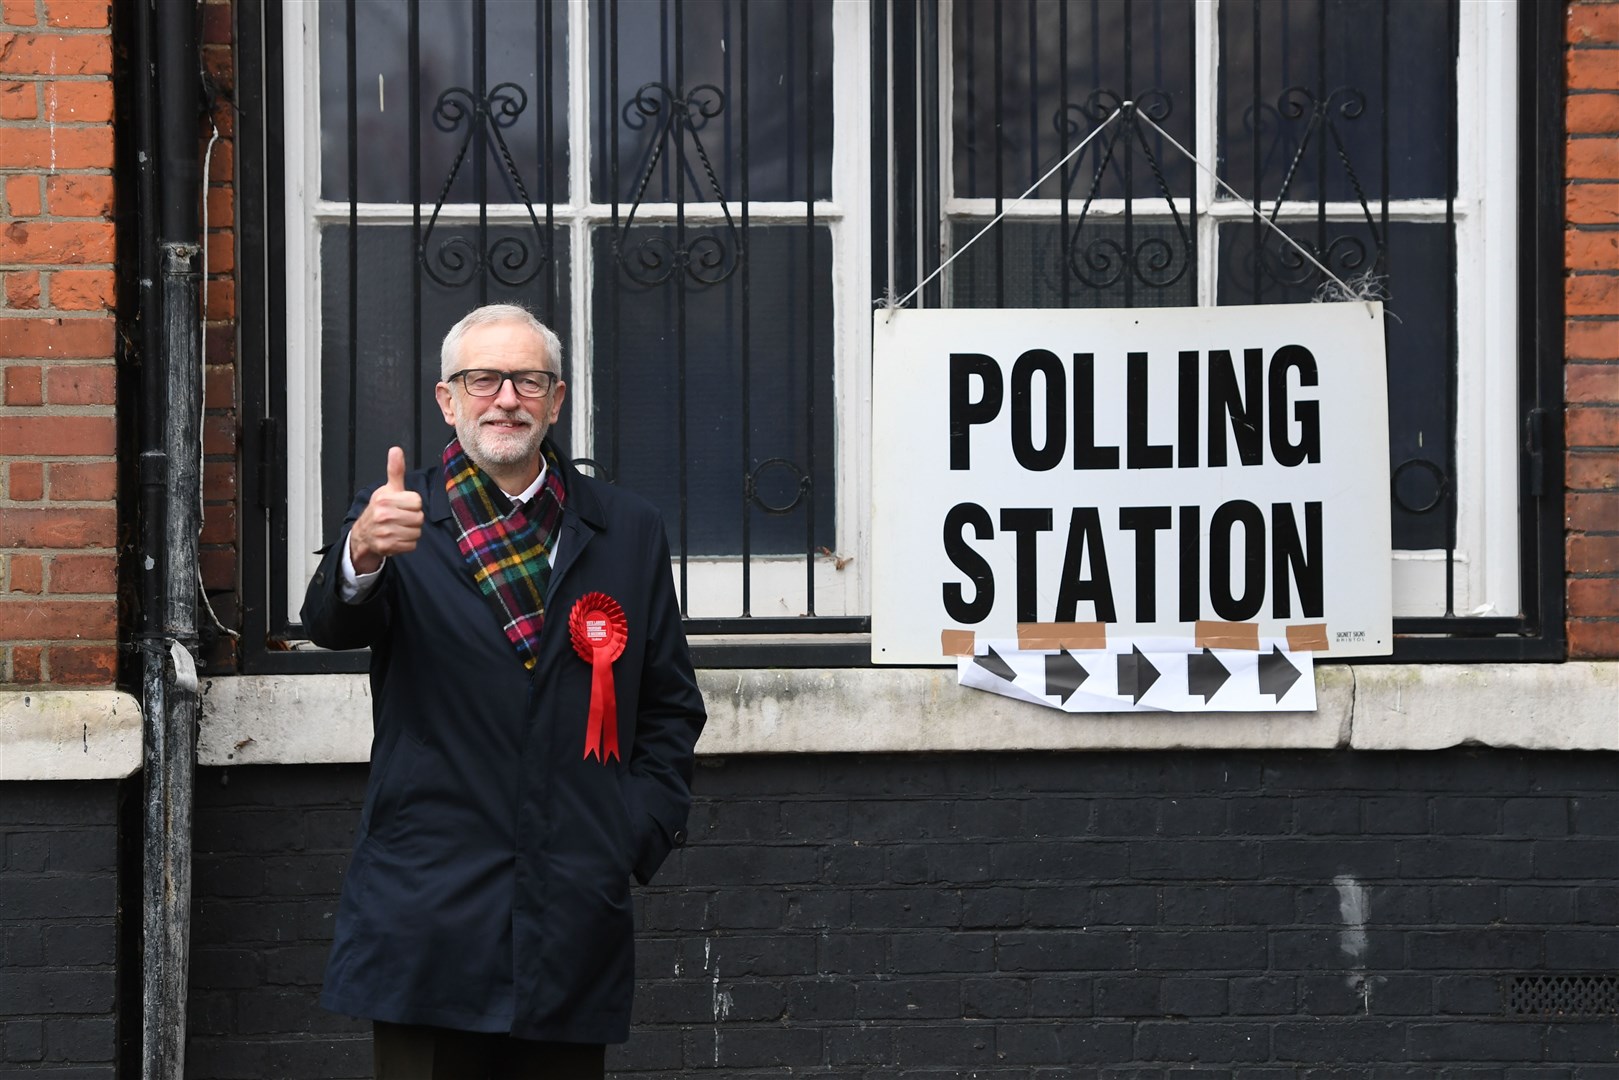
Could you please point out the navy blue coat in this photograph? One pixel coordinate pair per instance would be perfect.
(489, 887)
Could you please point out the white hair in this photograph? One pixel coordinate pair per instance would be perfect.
(449, 353)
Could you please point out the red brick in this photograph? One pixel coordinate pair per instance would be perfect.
(219, 524)
(88, 338)
(18, 13)
(1592, 425)
(221, 206)
(22, 196)
(57, 620)
(219, 481)
(219, 345)
(219, 386)
(27, 574)
(1596, 511)
(95, 481)
(81, 384)
(84, 574)
(26, 481)
(79, 195)
(25, 664)
(79, 102)
(216, 23)
(221, 251)
(221, 300)
(1592, 204)
(58, 242)
(85, 14)
(1593, 554)
(75, 529)
(83, 290)
(1592, 470)
(1593, 597)
(83, 665)
(22, 290)
(1593, 69)
(23, 386)
(62, 436)
(1593, 114)
(222, 166)
(1591, 339)
(218, 565)
(18, 101)
(1585, 250)
(1587, 640)
(218, 434)
(1591, 294)
(1593, 159)
(58, 148)
(58, 54)
(1593, 24)
(216, 60)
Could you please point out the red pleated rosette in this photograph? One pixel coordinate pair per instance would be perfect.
(598, 629)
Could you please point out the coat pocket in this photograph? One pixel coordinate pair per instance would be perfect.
(390, 802)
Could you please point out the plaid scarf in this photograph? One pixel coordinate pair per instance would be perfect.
(507, 547)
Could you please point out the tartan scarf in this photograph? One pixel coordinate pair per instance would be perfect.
(507, 547)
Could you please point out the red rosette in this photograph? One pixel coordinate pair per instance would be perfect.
(598, 629)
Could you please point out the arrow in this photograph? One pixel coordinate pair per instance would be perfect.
(1277, 674)
(1136, 674)
(1064, 675)
(996, 666)
(1205, 675)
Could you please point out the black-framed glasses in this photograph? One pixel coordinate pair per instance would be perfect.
(485, 382)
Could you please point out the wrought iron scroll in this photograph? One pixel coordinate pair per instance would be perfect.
(1104, 261)
(706, 258)
(458, 261)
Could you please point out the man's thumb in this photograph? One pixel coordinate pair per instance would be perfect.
(396, 468)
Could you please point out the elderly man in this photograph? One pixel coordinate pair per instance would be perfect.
(535, 713)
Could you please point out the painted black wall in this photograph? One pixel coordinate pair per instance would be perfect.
(1262, 915)
(59, 943)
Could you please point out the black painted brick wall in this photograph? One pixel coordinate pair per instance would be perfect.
(1143, 915)
(59, 930)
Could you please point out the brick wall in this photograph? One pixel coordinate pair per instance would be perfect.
(1592, 299)
(58, 930)
(1062, 915)
(58, 570)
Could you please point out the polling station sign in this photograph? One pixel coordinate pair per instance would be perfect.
(1216, 474)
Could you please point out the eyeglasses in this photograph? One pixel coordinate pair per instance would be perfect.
(486, 382)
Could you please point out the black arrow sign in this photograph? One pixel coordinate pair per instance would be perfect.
(1064, 675)
(1205, 675)
(996, 666)
(1277, 674)
(1136, 674)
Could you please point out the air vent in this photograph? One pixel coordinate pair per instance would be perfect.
(1564, 995)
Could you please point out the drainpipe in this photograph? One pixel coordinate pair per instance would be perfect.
(169, 75)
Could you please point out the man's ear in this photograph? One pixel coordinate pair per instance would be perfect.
(446, 403)
(558, 392)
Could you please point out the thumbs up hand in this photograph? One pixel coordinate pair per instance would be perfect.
(390, 524)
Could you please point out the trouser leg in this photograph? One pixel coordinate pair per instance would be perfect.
(419, 1052)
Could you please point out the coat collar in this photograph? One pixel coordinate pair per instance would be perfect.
(582, 498)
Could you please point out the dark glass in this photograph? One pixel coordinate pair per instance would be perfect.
(1044, 114)
(783, 36)
(1037, 258)
(1331, 53)
(636, 368)
(1417, 331)
(512, 43)
(391, 402)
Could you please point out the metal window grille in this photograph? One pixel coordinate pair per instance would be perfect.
(1563, 995)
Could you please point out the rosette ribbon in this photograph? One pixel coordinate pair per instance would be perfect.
(598, 629)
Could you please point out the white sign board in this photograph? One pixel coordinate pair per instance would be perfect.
(1167, 472)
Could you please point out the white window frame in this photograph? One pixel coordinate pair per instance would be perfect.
(715, 585)
(1486, 461)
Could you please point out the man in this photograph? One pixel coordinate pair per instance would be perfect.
(534, 715)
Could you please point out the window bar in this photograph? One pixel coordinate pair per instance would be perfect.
(1000, 161)
(1452, 39)
(679, 283)
(480, 147)
(611, 105)
(1258, 153)
(1383, 138)
(747, 308)
(413, 67)
(351, 64)
(1192, 249)
(1129, 161)
(809, 305)
(1321, 136)
(1062, 127)
(1034, 93)
(971, 53)
(543, 93)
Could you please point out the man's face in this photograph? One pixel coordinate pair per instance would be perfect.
(501, 434)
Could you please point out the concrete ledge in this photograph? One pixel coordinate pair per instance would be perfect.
(68, 734)
(327, 718)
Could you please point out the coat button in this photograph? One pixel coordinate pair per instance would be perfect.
(680, 837)
(320, 577)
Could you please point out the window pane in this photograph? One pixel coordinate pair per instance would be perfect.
(511, 51)
(687, 61)
(1418, 333)
(1092, 266)
(393, 402)
(1060, 68)
(640, 359)
(1330, 74)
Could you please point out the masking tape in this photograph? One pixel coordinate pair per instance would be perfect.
(956, 642)
(1228, 635)
(1061, 635)
(1307, 637)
